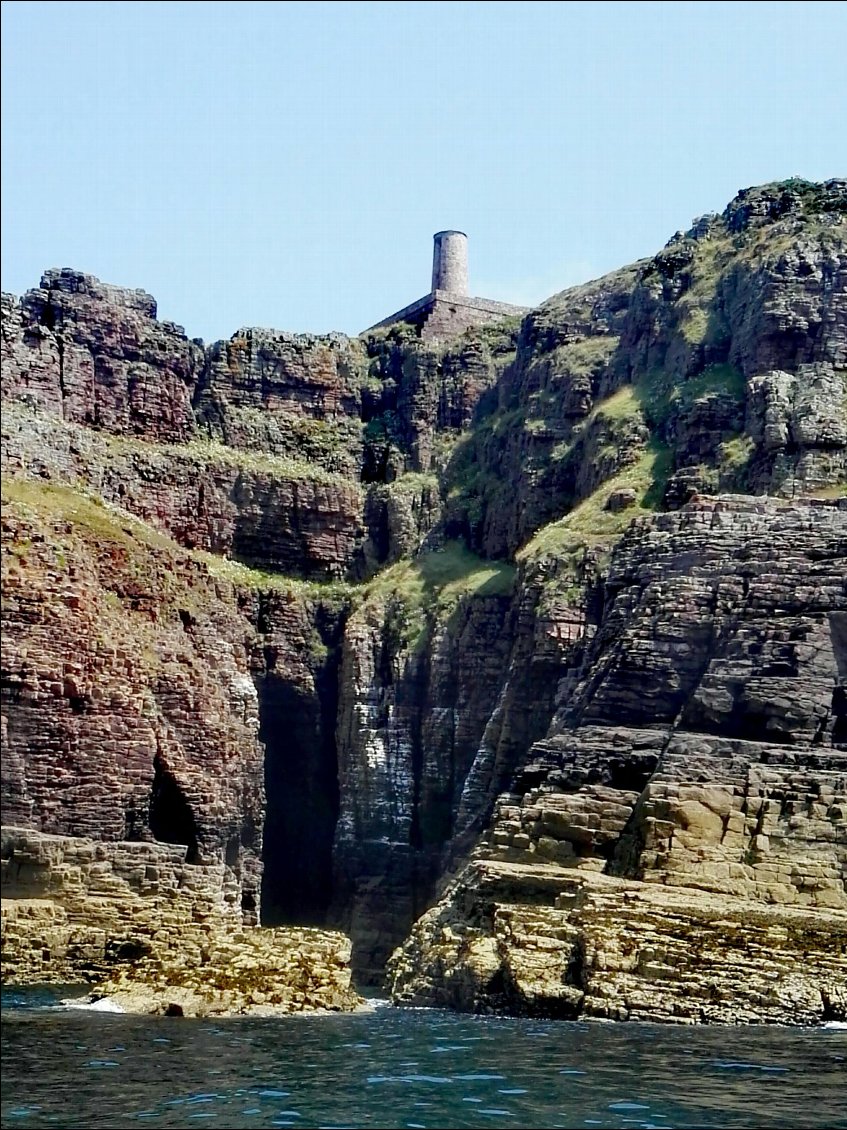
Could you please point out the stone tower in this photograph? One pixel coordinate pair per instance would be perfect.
(449, 309)
(450, 262)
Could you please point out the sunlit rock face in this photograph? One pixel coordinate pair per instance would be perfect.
(534, 628)
(675, 846)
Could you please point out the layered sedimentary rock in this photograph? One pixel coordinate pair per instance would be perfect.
(324, 612)
(128, 708)
(414, 703)
(541, 940)
(291, 395)
(96, 355)
(270, 512)
(727, 354)
(676, 846)
(139, 713)
(274, 449)
(154, 933)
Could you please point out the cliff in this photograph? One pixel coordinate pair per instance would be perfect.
(537, 632)
(674, 848)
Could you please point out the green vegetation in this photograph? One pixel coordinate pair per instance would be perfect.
(443, 577)
(815, 197)
(577, 361)
(398, 333)
(836, 490)
(244, 577)
(206, 453)
(414, 484)
(84, 513)
(660, 396)
(444, 446)
(761, 241)
(576, 304)
(415, 592)
(622, 406)
(590, 523)
(74, 526)
(725, 380)
(331, 445)
(78, 514)
(696, 306)
(584, 357)
(472, 480)
(536, 426)
(501, 337)
(734, 457)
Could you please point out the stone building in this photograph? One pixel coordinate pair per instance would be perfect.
(449, 308)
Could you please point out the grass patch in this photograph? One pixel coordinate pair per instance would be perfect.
(659, 396)
(734, 457)
(209, 452)
(580, 358)
(414, 484)
(134, 562)
(621, 405)
(500, 336)
(109, 527)
(724, 380)
(590, 523)
(86, 513)
(410, 595)
(258, 580)
(298, 439)
(443, 577)
(589, 353)
(694, 325)
(833, 491)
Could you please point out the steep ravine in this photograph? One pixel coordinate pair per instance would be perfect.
(502, 630)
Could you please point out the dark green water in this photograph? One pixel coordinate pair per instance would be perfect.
(393, 1068)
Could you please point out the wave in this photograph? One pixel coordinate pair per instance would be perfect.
(104, 1004)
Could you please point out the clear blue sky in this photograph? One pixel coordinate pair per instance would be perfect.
(285, 164)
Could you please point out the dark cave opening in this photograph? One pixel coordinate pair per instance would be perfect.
(171, 818)
(301, 785)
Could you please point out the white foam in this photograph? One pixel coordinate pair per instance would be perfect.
(104, 1004)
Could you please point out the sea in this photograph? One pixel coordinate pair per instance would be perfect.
(71, 1067)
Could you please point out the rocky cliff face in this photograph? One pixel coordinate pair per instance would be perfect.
(96, 355)
(346, 618)
(695, 768)
(716, 366)
(128, 708)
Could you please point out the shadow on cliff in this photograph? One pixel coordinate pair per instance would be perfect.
(301, 784)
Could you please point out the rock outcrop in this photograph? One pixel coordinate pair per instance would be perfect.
(154, 933)
(501, 629)
(721, 360)
(267, 511)
(545, 941)
(96, 355)
(128, 707)
(676, 846)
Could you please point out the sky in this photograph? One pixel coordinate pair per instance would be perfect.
(286, 164)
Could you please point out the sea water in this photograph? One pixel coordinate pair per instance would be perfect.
(389, 1068)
